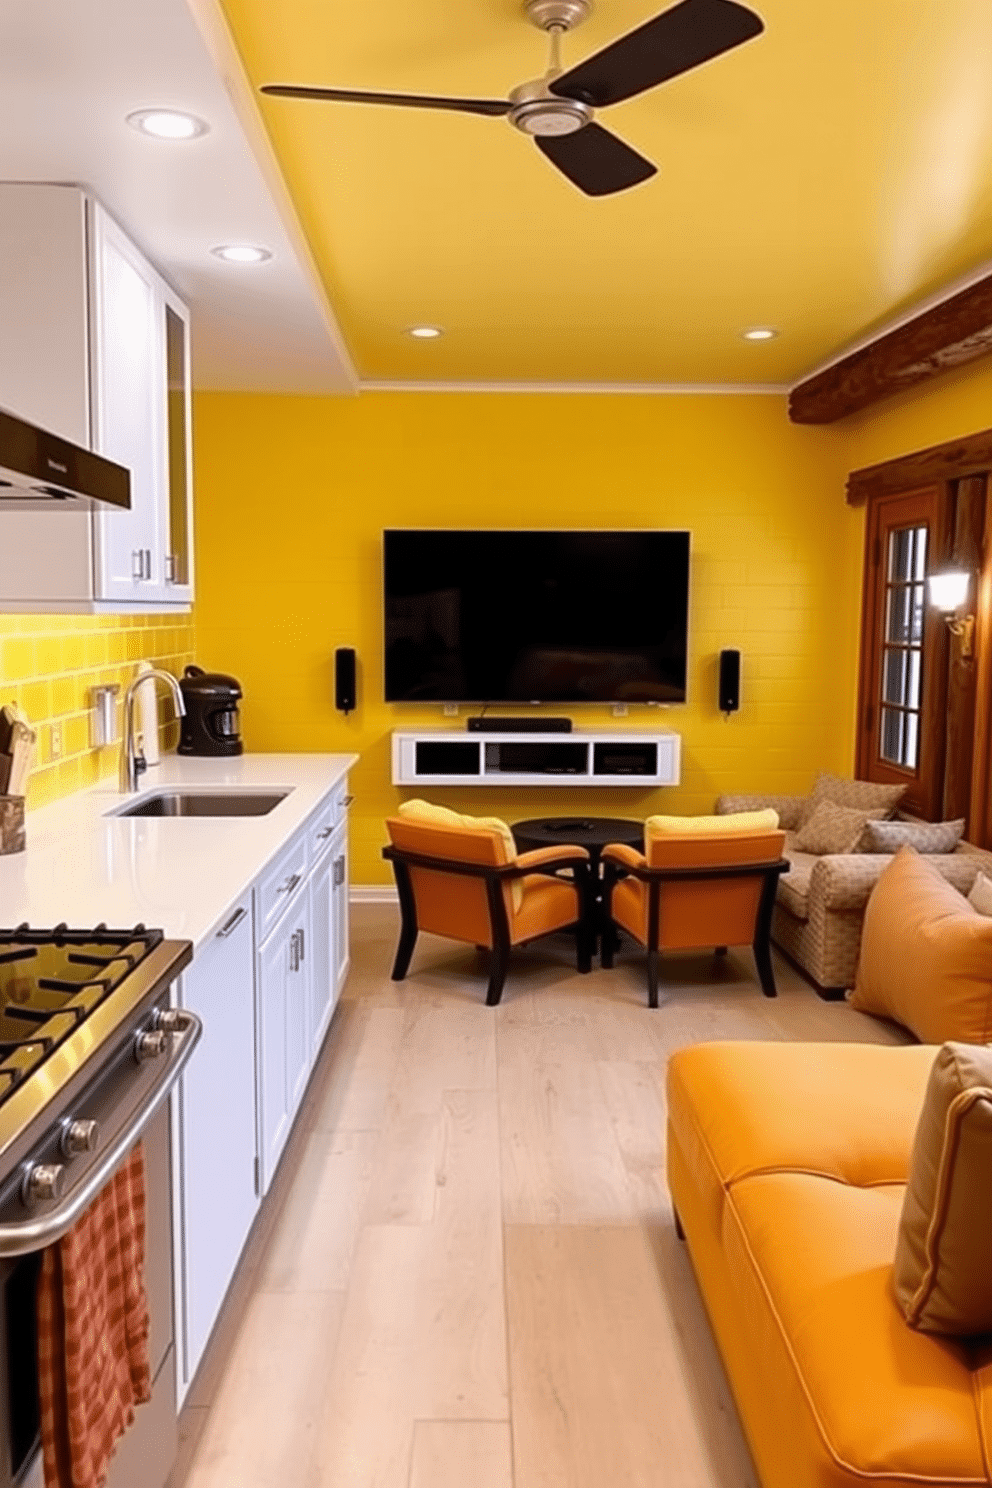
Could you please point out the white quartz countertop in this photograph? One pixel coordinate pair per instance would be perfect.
(178, 874)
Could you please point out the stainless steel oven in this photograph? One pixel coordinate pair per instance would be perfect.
(89, 1050)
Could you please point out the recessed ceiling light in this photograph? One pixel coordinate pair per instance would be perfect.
(760, 333)
(241, 253)
(168, 124)
(425, 332)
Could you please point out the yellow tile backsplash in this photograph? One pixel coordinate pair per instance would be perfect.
(49, 664)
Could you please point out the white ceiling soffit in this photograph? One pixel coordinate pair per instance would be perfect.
(70, 73)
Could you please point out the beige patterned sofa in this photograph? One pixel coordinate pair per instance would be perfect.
(821, 901)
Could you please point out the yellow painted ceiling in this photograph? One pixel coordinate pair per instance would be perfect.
(823, 178)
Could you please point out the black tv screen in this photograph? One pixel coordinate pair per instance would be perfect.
(550, 617)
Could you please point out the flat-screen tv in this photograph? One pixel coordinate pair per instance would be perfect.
(549, 617)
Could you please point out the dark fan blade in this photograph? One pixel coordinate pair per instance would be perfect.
(595, 160)
(492, 107)
(675, 41)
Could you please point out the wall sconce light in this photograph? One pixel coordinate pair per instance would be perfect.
(948, 594)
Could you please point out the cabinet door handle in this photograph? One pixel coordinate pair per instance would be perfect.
(170, 568)
(236, 918)
(347, 802)
(300, 933)
(323, 836)
(148, 563)
(339, 870)
(137, 564)
(289, 885)
(294, 954)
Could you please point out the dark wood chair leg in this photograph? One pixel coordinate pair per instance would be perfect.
(498, 964)
(607, 947)
(404, 952)
(652, 979)
(408, 922)
(763, 961)
(585, 925)
(719, 950)
(678, 1224)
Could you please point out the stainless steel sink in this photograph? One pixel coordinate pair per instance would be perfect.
(205, 803)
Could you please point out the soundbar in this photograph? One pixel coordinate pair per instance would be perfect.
(528, 725)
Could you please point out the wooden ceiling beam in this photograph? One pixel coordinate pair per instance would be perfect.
(951, 334)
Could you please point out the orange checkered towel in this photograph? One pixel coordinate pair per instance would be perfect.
(93, 1332)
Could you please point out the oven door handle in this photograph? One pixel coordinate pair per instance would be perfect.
(24, 1236)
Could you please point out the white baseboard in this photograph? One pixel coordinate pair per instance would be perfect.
(373, 894)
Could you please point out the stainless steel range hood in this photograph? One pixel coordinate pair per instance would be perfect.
(40, 472)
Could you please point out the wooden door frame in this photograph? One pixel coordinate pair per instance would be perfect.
(966, 715)
(932, 504)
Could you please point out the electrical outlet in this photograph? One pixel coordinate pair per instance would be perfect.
(451, 710)
(56, 741)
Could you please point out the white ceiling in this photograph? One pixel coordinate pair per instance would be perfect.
(70, 71)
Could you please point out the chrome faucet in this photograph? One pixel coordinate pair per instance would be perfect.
(133, 763)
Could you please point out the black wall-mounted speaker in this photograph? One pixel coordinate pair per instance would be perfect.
(344, 678)
(730, 681)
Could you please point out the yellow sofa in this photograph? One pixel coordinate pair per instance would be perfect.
(787, 1166)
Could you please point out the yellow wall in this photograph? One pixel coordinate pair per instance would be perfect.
(955, 404)
(49, 663)
(293, 494)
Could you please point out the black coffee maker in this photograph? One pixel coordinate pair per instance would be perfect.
(211, 724)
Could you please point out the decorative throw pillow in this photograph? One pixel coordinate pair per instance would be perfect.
(942, 1274)
(442, 816)
(733, 824)
(861, 795)
(833, 829)
(980, 897)
(926, 837)
(926, 956)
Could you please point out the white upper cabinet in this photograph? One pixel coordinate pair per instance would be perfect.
(95, 348)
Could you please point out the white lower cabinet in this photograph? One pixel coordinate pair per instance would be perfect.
(322, 963)
(283, 1049)
(218, 1176)
(266, 999)
(340, 879)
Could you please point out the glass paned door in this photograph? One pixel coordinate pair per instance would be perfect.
(902, 647)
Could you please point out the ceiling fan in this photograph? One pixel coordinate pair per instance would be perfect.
(558, 109)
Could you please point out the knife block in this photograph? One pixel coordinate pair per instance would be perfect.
(12, 836)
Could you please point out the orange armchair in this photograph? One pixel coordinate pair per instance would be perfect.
(463, 883)
(694, 891)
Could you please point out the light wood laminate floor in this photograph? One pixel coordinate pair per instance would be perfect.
(467, 1275)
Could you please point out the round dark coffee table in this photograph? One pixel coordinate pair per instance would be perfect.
(591, 832)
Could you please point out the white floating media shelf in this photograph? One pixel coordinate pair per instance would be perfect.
(448, 757)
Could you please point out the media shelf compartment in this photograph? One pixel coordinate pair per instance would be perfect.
(446, 757)
(527, 757)
(607, 758)
(622, 757)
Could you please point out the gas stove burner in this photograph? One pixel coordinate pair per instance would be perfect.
(51, 981)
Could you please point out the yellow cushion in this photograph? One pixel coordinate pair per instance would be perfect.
(710, 826)
(441, 816)
(943, 1273)
(926, 956)
(809, 1260)
(859, 1105)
